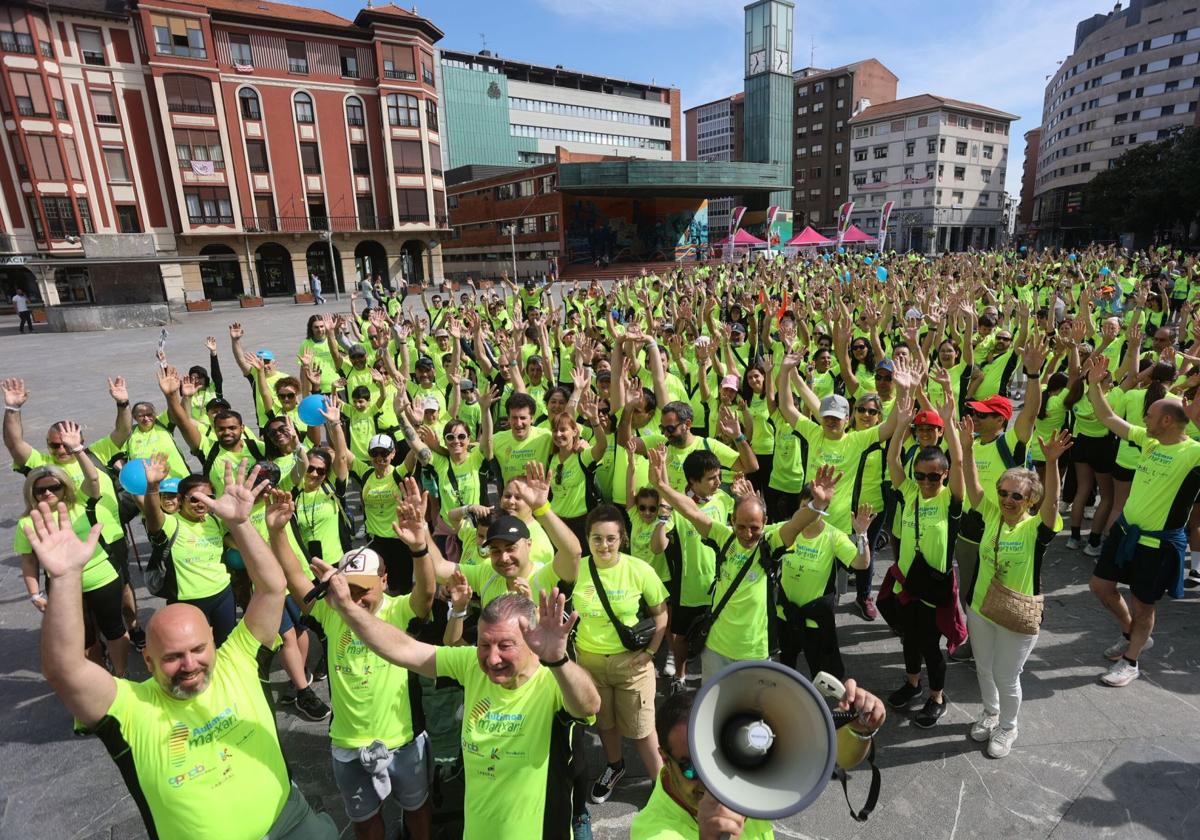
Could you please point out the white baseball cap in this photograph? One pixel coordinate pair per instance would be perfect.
(363, 566)
(381, 442)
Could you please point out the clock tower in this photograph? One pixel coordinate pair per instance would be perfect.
(769, 88)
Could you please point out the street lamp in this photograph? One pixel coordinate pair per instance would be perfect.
(327, 235)
(512, 241)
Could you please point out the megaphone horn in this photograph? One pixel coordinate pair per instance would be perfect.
(762, 738)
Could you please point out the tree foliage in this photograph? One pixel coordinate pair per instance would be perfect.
(1151, 189)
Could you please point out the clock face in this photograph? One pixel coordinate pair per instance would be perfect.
(782, 63)
(758, 62)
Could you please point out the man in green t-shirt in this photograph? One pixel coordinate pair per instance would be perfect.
(196, 743)
(378, 734)
(522, 693)
(521, 442)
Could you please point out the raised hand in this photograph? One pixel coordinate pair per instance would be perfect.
(1036, 352)
(240, 494)
(15, 394)
(489, 398)
(157, 469)
(548, 640)
(1097, 368)
(168, 381)
(824, 483)
(331, 410)
(211, 343)
(741, 487)
(966, 432)
(1060, 441)
(459, 591)
(728, 424)
(864, 518)
(410, 515)
(280, 510)
(236, 332)
(72, 435)
(658, 465)
(117, 389)
(59, 551)
(534, 488)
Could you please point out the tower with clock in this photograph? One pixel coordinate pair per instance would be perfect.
(767, 130)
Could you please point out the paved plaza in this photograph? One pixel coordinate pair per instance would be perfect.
(1090, 761)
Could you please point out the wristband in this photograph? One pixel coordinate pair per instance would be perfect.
(35, 596)
(420, 553)
(76, 450)
(817, 511)
(664, 520)
(740, 438)
(123, 404)
(14, 409)
(557, 664)
(541, 510)
(455, 614)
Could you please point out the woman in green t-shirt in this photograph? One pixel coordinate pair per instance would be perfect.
(1011, 550)
(325, 525)
(1094, 456)
(624, 677)
(573, 463)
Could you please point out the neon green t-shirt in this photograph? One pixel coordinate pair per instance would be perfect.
(698, 562)
(157, 441)
(488, 585)
(1131, 407)
(639, 544)
(196, 556)
(1056, 418)
(513, 454)
(740, 631)
(318, 514)
(663, 818)
(935, 527)
(1017, 551)
(676, 455)
(369, 694)
(626, 584)
(99, 570)
(787, 470)
(210, 768)
(507, 736)
(108, 492)
(458, 484)
(568, 483)
(379, 499)
(843, 455)
(1161, 472)
(807, 566)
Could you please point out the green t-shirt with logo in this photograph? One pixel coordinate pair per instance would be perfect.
(196, 555)
(568, 483)
(698, 562)
(807, 566)
(676, 455)
(99, 570)
(740, 631)
(157, 441)
(513, 454)
(506, 744)
(380, 495)
(640, 534)
(663, 818)
(1161, 472)
(210, 768)
(318, 513)
(1016, 551)
(935, 516)
(488, 585)
(843, 455)
(787, 470)
(108, 492)
(1056, 418)
(626, 584)
(369, 695)
(464, 488)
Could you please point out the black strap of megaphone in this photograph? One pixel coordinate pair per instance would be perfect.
(872, 794)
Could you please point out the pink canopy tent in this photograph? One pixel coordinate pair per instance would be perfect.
(744, 239)
(808, 237)
(854, 234)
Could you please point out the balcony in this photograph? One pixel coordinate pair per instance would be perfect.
(210, 220)
(191, 108)
(16, 43)
(218, 165)
(409, 170)
(298, 65)
(106, 119)
(406, 75)
(94, 58)
(304, 224)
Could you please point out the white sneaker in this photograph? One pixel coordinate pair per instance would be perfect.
(1001, 742)
(1073, 544)
(669, 665)
(983, 728)
(1092, 550)
(1117, 650)
(1122, 672)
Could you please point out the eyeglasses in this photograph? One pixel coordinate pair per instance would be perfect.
(669, 428)
(686, 768)
(862, 409)
(54, 488)
(1016, 497)
(315, 470)
(287, 395)
(858, 347)
(927, 477)
(279, 431)
(59, 445)
(193, 500)
(883, 377)
(648, 508)
(461, 436)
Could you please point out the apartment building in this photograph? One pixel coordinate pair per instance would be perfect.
(714, 131)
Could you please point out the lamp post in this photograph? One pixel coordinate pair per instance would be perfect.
(512, 241)
(327, 235)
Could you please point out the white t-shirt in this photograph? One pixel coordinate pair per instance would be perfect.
(20, 302)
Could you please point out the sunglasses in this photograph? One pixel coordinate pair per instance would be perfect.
(1016, 497)
(927, 477)
(315, 470)
(870, 412)
(460, 436)
(686, 768)
(56, 445)
(287, 395)
(883, 377)
(858, 347)
(54, 488)
(669, 428)
(648, 508)
(379, 453)
(193, 500)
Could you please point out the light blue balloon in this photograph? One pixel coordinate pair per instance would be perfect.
(1104, 272)
(133, 477)
(841, 249)
(310, 410)
(881, 273)
(868, 260)
(846, 277)
(1024, 248)
(1071, 257)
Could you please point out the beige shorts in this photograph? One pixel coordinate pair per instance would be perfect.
(626, 691)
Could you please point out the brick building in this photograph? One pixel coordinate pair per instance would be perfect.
(1033, 142)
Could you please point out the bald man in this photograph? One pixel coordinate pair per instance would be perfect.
(196, 743)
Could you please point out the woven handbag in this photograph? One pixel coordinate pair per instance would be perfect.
(1007, 607)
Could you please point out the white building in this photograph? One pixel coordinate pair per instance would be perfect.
(942, 161)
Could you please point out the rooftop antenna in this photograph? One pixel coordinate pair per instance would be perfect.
(812, 51)
(483, 40)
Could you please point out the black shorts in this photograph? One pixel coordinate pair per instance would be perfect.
(1150, 573)
(1125, 474)
(1099, 453)
(104, 606)
(682, 618)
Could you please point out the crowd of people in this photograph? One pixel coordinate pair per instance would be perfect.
(509, 516)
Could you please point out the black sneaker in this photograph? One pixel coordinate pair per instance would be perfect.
(607, 783)
(321, 670)
(963, 653)
(310, 706)
(137, 638)
(904, 695)
(1192, 580)
(930, 713)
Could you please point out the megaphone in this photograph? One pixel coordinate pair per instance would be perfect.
(762, 738)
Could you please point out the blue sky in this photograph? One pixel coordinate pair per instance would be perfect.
(994, 52)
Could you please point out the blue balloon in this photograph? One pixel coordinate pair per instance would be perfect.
(310, 410)
(868, 260)
(133, 477)
(1071, 257)
(881, 273)
(234, 560)
(1104, 272)
(841, 249)
(1024, 248)
(846, 277)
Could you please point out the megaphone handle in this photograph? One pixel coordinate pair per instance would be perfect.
(841, 718)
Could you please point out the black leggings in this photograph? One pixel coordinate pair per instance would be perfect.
(104, 606)
(922, 641)
(762, 475)
(821, 650)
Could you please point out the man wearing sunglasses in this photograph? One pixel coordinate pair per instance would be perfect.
(997, 366)
(675, 428)
(681, 809)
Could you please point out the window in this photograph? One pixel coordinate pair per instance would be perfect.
(365, 205)
(60, 217)
(85, 215)
(250, 106)
(818, 127)
(44, 157)
(72, 156)
(297, 57)
(398, 63)
(406, 157)
(91, 46)
(208, 206)
(199, 145)
(819, 87)
(960, 148)
(114, 159)
(189, 94)
(960, 173)
(802, 111)
(988, 152)
(814, 172)
(931, 146)
(986, 174)
(310, 158)
(411, 206)
(402, 110)
(816, 149)
(264, 214)
(910, 148)
(348, 56)
(18, 42)
(127, 219)
(304, 108)
(880, 152)
(30, 94)
(841, 103)
(983, 199)
(941, 170)
(860, 154)
(239, 49)
(802, 91)
(435, 159)
(956, 197)
(431, 114)
(426, 69)
(178, 36)
(35, 216)
(877, 176)
(941, 144)
(550, 223)
(102, 105)
(60, 109)
(354, 112)
(838, 147)
(360, 162)
(256, 155)
(1167, 110)
(528, 225)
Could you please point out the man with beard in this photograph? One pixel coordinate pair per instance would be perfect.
(196, 743)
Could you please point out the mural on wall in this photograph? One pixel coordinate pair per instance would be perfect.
(755, 222)
(602, 230)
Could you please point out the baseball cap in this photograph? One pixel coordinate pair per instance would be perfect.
(362, 566)
(835, 405)
(265, 355)
(381, 442)
(507, 529)
(424, 361)
(913, 314)
(440, 333)
(885, 364)
(357, 350)
(431, 404)
(731, 380)
(928, 418)
(168, 485)
(993, 405)
(466, 385)
(738, 328)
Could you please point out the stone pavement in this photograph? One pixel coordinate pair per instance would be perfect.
(1090, 761)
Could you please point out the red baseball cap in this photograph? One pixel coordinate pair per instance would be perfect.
(994, 405)
(928, 418)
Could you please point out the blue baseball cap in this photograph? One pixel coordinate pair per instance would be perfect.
(265, 355)
(885, 364)
(168, 485)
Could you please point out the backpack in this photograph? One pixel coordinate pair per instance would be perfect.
(160, 570)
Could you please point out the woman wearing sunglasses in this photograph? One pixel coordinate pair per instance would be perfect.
(456, 464)
(572, 465)
(1014, 543)
(325, 526)
(102, 585)
(868, 481)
